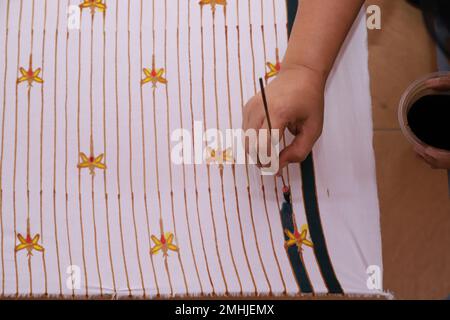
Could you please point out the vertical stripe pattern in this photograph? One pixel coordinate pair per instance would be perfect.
(94, 201)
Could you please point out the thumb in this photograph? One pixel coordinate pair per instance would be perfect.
(439, 84)
(268, 137)
(298, 150)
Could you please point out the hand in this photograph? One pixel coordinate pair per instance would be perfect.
(440, 83)
(296, 102)
(435, 158)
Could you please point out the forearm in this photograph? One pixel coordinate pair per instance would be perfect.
(319, 30)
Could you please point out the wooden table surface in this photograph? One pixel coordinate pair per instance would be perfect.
(414, 202)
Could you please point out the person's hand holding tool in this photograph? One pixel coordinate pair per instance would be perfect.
(296, 100)
(436, 158)
(296, 95)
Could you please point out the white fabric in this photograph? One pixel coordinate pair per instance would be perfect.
(344, 159)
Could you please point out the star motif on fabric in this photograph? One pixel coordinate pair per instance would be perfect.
(213, 3)
(219, 157)
(163, 244)
(91, 162)
(154, 75)
(298, 238)
(30, 75)
(28, 242)
(274, 68)
(93, 5)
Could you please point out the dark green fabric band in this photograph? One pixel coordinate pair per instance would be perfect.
(311, 202)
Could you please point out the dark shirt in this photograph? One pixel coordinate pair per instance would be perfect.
(437, 20)
(415, 2)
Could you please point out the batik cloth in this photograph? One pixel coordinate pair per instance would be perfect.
(92, 203)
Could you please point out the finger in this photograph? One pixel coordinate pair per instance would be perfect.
(299, 149)
(253, 119)
(429, 160)
(263, 144)
(442, 158)
(267, 141)
(440, 84)
(419, 149)
(253, 115)
(435, 153)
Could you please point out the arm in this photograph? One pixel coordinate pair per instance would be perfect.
(319, 30)
(296, 95)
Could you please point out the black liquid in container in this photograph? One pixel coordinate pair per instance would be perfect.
(429, 120)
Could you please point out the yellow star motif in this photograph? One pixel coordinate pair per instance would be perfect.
(91, 162)
(164, 244)
(298, 238)
(154, 75)
(93, 5)
(213, 3)
(274, 68)
(29, 75)
(29, 243)
(219, 157)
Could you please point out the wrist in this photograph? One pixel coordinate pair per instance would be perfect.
(316, 76)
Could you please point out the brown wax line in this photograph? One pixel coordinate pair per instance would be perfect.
(30, 270)
(178, 253)
(91, 115)
(216, 99)
(116, 88)
(193, 146)
(65, 140)
(108, 231)
(246, 164)
(55, 73)
(184, 165)
(2, 146)
(15, 149)
(86, 282)
(275, 22)
(133, 211)
(166, 265)
(208, 171)
(41, 222)
(233, 165)
(261, 179)
(144, 166)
